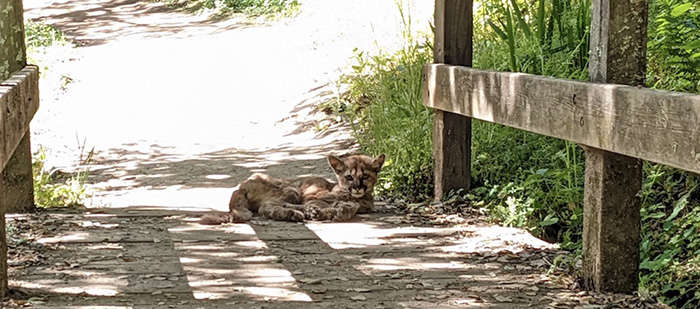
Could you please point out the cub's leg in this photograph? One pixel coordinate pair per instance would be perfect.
(345, 211)
(239, 207)
(238, 211)
(318, 210)
(275, 210)
(365, 206)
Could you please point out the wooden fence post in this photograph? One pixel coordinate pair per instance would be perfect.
(452, 132)
(613, 182)
(16, 188)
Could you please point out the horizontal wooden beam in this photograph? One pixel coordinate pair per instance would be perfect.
(19, 101)
(658, 126)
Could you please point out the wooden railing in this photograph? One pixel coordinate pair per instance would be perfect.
(19, 101)
(617, 125)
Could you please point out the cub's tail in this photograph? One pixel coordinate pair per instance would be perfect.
(217, 219)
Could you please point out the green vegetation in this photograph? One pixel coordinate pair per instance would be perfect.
(527, 180)
(38, 34)
(674, 45)
(53, 188)
(383, 89)
(249, 8)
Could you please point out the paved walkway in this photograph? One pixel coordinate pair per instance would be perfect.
(143, 258)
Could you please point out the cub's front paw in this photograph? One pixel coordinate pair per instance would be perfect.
(296, 216)
(311, 212)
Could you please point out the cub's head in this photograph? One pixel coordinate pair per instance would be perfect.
(357, 173)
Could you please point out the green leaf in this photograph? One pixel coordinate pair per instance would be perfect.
(549, 220)
(656, 215)
(498, 30)
(692, 45)
(681, 9)
(680, 205)
(520, 19)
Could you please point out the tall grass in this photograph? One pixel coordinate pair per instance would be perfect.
(383, 105)
(53, 188)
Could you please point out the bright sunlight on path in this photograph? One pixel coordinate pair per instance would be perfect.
(180, 108)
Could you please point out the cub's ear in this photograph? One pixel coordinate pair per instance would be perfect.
(337, 164)
(378, 162)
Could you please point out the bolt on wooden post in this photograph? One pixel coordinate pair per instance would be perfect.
(613, 182)
(452, 132)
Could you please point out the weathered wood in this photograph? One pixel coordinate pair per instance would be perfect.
(19, 101)
(3, 249)
(19, 197)
(12, 58)
(612, 223)
(452, 132)
(658, 126)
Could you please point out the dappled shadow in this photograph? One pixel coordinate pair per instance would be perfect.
(149, 173)
(95, 22)
(157, 256)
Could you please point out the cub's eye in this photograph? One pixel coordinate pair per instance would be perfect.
(348, 177)
(365, 177)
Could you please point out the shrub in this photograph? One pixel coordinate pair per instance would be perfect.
(383, 104)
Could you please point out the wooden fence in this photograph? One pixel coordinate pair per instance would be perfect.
(19, 101)
(612, 117)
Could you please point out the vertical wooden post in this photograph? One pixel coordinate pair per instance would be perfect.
(451, 132)
(612, 203)
(16, 184)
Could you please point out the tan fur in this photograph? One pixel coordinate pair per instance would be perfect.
(311, 198)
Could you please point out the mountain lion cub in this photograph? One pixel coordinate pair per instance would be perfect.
(310, 198)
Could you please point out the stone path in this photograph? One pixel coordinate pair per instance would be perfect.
(148, 258)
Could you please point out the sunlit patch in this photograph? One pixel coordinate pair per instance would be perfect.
(76, 237)
(206, 248)
(202, 283)
(105, 246)
(95, 224)
(384, 264)
(240, 229)
(494, 239)
(248, 271)
(97, 291)
(267, 293)
(248, 259)
(217, 177)
(366, 234)
(358, 243)
(59, 287)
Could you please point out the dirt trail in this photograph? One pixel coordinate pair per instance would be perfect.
(180, 108)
